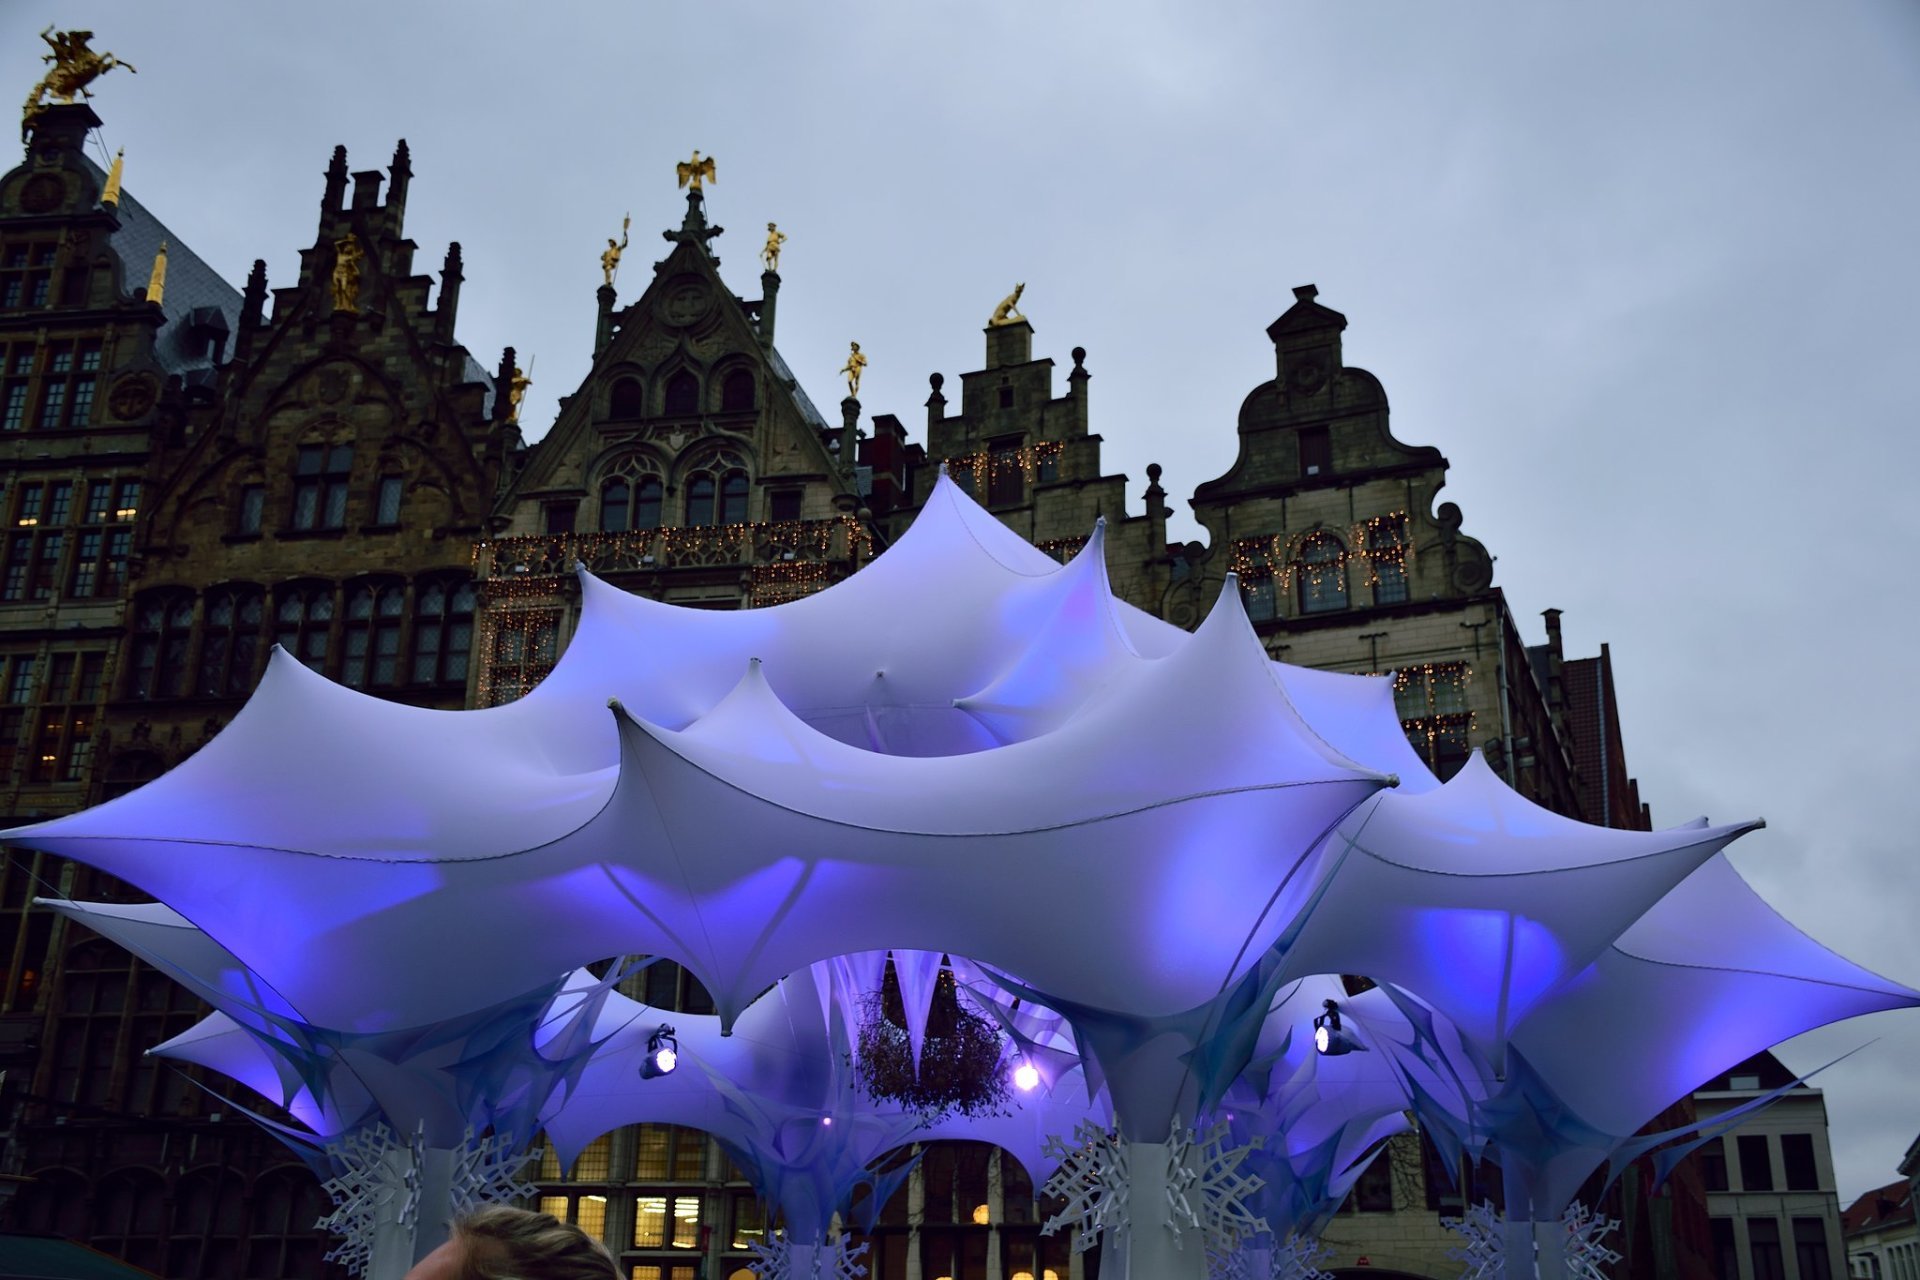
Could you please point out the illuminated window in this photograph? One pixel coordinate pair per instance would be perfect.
(1322, 571)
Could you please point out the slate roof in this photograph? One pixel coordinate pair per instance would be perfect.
(191, 284)
(807, 411)
(1887, 1206)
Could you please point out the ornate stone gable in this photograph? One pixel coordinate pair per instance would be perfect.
(686, 380)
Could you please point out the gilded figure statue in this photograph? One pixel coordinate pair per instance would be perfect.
(693, 172)
(610, 260)
(75, 66)
(771, 253)
(1007, 312)
(856, 364)
(347, 257)
(517, 390)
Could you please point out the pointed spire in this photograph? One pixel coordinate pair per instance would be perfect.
(449, 305)
(398, 173)
(110, 194)
(336, 182)
(253, 306)
(157, 281)
(693, 228)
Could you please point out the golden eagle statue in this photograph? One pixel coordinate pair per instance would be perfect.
(693, 172)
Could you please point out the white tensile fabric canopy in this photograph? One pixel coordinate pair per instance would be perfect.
(964, 749)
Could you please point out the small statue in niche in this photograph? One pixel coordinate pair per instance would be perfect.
(856, 365)
(347, 257)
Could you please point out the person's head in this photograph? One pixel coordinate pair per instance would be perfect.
(500, 1242)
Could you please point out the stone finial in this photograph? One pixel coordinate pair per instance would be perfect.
(1306, 292)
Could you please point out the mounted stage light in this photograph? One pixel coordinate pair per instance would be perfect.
(663, 1053)
(1026, 1077)
(1329, 1037)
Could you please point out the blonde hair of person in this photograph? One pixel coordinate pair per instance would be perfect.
(501, 1242)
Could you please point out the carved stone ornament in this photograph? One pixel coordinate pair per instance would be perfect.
(332, 384)
(43, 193)
(685, 301)
(131, 397)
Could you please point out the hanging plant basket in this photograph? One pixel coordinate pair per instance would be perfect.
(963, 1067)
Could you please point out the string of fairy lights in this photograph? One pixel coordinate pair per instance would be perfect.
(1442, 687)
(982, 466)
(524, 579)
(1314, 555)
(1062, 549)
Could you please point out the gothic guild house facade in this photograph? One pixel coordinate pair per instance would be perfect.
(192, 473)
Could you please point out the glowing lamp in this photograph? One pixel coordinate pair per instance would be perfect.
(663, 1053)
(1026, 1077)
(1329, 1037)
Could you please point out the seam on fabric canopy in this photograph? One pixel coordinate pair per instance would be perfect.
(1904, 993)
(1543, 871)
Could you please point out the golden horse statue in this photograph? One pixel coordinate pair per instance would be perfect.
(75, 66)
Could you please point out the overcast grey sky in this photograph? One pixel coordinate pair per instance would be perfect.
(1646, 272)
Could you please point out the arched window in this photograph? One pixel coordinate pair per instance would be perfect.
(303, 621)
(286, 1204)
(648, 495)
(208, 1209)
(733, 498)
(372, 650)
(736, 393)
(613, 505)
(700, 499)
(163, 624)
(232, 642)
(442, 632)
(683, 394)
(129, 1215)
(626, 400)
(53, 1203)
(1322, 569)
(717, 490)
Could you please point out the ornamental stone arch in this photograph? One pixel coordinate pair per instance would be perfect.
(680, 393)
(733, 386)
(715, 482)
(628, 488)
(622, 395)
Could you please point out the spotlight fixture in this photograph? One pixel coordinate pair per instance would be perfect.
(1026, 1077)
(663, 1053)
(1329, 1037)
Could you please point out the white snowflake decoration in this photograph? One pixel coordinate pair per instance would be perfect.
(1295, 1258)
(1483, 1254)
(1587, 1252)
(1092, 1178)
(488, 1171)
(773, 1260)
(370, 1185)
(1206, 1192)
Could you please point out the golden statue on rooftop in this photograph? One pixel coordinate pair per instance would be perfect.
(75, 66)
(856, 365)
(1007, 312)
(771, 253)
(693, 172)
(610, 258)
(517, 390)
(347, 257)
